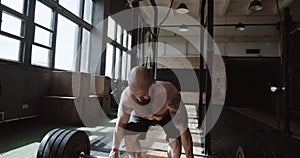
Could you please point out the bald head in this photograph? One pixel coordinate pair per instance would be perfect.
(139, 77)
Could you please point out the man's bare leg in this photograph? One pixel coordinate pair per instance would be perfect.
(133, 146)
(187, 143)
(174, 149)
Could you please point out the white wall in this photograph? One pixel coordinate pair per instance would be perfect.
(228, 46)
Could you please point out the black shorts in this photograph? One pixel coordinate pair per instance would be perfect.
(140, 125)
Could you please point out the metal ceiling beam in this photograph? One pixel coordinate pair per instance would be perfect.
(263, 24)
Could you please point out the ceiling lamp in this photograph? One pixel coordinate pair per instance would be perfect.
(182, 8)
(183, 28)
(255, 5)
(240, 27)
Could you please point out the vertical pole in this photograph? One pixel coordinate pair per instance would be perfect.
(210, 47)
(154, 40)
(286, 70)
(30, 9)
(134, 34)
(106, 8)
(201, 67)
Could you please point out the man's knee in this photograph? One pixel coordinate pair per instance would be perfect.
(132, 143)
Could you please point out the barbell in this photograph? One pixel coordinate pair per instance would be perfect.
(64, 143)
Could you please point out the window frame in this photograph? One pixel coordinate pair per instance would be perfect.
(28, 30)
(25, 20)
(123, 50)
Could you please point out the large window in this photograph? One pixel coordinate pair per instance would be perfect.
(65, 44)
(43, 35)
(117, 51)
(12, 30)
(58, 34)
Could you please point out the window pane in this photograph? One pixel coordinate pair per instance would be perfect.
(119, 34)
(128, 65)
(11, 24)
(124, 66)
(129, 42)
(125, 38)
(43, 15)
(40, 56)
(42, 36)
(71, 5)
(111, 28)
(88, 8)
(117, 64)
(109, 60)
(9, 48)
(85, 49)
(17, 5)
(65, 44)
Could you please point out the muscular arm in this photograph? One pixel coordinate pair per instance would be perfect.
(180, 119)
(123, 118)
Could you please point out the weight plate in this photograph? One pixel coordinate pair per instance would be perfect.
(44, 141)
(51, 141)
(58, 141)
(73, 144)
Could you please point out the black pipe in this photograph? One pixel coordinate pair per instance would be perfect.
(154, 38)
(134, 33)
(263, 24)
(286, 71)
(201, 68)
(209, 77)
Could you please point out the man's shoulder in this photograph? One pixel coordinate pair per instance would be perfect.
(166, 84)
(125, 94)
(126, 91)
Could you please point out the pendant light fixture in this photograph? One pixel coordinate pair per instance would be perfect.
(240, 27)
(255, 5)
(182, 8)
(183, 28)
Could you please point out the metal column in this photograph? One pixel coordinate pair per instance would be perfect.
(201, 68)
(210, 51)
(154, 40)
(286, 71)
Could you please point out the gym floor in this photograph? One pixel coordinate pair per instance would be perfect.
(234, 128)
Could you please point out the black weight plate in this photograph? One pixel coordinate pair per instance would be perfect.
(58, 141)
(44, 141)
(73, 144)
(51, 142)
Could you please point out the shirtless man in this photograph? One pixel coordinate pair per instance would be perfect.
(144, 104)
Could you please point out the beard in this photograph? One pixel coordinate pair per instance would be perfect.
(143, 101)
